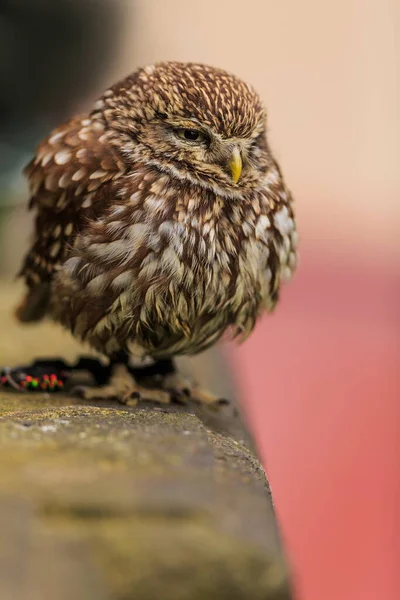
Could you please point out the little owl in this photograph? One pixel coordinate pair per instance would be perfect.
(162, 222)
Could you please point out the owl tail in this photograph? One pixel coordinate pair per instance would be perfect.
(34, 305)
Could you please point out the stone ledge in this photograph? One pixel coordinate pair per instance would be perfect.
(116, 503)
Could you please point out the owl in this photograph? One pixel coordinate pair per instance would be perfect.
(162, 222)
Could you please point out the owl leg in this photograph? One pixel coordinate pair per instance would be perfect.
(162, 384)
(122, 385)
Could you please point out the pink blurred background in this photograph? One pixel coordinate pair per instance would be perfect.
(320, 378)
(320, 381)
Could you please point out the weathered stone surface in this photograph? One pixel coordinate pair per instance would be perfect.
(104, 502)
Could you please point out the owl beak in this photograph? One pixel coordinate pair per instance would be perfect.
(235, 164)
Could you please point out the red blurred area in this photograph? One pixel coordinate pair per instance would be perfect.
(320, 381)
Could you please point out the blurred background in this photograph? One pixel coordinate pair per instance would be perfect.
(319, 380)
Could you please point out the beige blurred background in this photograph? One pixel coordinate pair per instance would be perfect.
(328, 73)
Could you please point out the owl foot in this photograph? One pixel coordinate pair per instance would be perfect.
(122, 386)
(183, 390)
(114, 381)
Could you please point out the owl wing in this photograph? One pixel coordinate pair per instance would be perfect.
(68, 179)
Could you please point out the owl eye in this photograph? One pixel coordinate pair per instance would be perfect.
(191, 135)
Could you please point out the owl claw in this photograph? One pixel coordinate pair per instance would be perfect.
(207, 399)
(183, 391)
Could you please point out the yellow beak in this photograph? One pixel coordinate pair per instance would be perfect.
(235, 164)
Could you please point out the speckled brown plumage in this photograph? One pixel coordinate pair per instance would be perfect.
(150, 242)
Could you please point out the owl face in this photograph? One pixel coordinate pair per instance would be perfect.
(194, 121)
(198, 149)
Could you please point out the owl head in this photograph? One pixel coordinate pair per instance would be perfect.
(194, 121)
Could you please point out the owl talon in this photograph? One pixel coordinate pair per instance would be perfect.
(223, 401)
(182, 391)
(207, 399)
